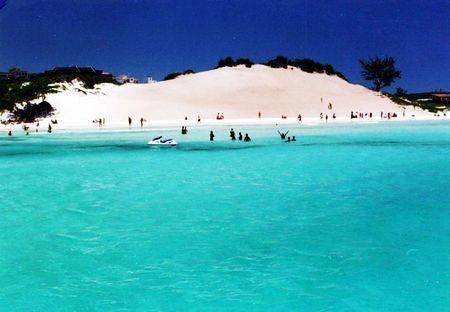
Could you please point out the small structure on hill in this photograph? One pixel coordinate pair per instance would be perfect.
(127, 79)
(98, 74)
(15, 73)
(441, 97)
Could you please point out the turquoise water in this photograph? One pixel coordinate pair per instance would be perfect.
(349, 218)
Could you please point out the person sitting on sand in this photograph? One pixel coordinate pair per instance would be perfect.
(283, 135)
(198, 119)
(293, 138)
(247, 138)
(240, 136)
(232, 135)
(211, 136)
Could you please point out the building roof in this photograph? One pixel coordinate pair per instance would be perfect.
(441, 95)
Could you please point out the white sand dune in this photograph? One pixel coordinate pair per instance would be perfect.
(239, 92)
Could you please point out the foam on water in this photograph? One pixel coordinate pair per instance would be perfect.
(350, 217)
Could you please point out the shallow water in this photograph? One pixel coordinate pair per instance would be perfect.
(350, 217)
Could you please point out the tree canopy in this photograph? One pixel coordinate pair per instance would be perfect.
(380, 71)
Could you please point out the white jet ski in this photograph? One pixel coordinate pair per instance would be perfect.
(159, 141)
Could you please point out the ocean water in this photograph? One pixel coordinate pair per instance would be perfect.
(352, 217)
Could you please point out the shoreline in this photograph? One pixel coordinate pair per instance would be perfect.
(175, 124)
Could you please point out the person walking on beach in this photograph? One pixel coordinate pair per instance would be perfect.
(326, 118)
(211, 136)
(100, 122)
(240, 136)
(142, 122)
(49, 128)
(247, 138)
(232, 135)
(259, 114)
(299, 118)
(321, 115)
(129, 121)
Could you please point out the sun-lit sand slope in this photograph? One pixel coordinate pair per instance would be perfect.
(238, 92)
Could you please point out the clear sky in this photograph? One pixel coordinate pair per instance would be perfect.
(145, 37)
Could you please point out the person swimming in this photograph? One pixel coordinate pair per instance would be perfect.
(247, 138)
(283, 135)
(232, 135)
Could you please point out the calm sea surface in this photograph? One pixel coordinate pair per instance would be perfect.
(348, 218)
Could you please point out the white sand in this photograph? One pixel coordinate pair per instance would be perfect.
(239, 92)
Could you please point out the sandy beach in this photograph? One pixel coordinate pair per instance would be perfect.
(239, 93)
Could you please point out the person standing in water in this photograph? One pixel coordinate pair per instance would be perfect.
(283, 135)
(232, 135)
(211, 136)
(240, 136)
(247, 138)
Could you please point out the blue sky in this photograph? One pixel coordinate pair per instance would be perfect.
(143, 37)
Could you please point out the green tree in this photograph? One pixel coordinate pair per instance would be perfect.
(400, 92)
(381, 71)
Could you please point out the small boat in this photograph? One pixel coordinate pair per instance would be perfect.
(162, 142)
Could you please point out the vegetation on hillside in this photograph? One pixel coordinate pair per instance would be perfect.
(306, 65)
(422, 100)
(16, 94)
(175, 75)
